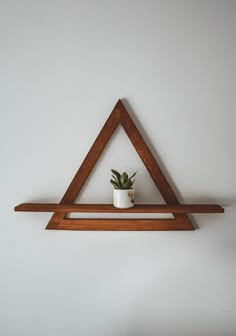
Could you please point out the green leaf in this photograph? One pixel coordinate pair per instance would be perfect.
(115, 178)
(115, 185)
(132, 176)
(124, 178)
(131, 185)
(116, 174)
(122, 181)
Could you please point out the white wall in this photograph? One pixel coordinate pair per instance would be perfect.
(64, 64)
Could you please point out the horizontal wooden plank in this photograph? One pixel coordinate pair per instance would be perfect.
(123, 225)
(109, 208)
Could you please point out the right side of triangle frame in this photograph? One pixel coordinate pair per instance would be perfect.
(119, 115)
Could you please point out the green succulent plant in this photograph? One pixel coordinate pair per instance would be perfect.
(121, 181)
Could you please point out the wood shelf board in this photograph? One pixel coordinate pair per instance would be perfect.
(122, 225)
(109, 208)
(118, 116)
(181, 221)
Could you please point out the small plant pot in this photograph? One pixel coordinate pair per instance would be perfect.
(123, 198)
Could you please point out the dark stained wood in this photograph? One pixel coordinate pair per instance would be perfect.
(119, 115)
(149, 161)
(88, 164)
(124, 224)
(109, 208)
(146, 156)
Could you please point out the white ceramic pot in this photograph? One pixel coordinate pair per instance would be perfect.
(123, 198)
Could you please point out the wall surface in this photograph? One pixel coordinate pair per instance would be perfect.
(64, 64)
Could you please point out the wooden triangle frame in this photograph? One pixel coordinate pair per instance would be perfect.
(119, 115)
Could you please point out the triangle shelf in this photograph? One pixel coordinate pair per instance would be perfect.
(181, 221)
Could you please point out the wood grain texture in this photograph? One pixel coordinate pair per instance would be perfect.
(119, 115)
(109, 208)
(88, 164)
(124, 224)
(146, 156)
(149, 161)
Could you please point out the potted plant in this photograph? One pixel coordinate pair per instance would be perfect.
(123, 192)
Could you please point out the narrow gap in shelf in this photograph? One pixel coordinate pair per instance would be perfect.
(85, 215)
